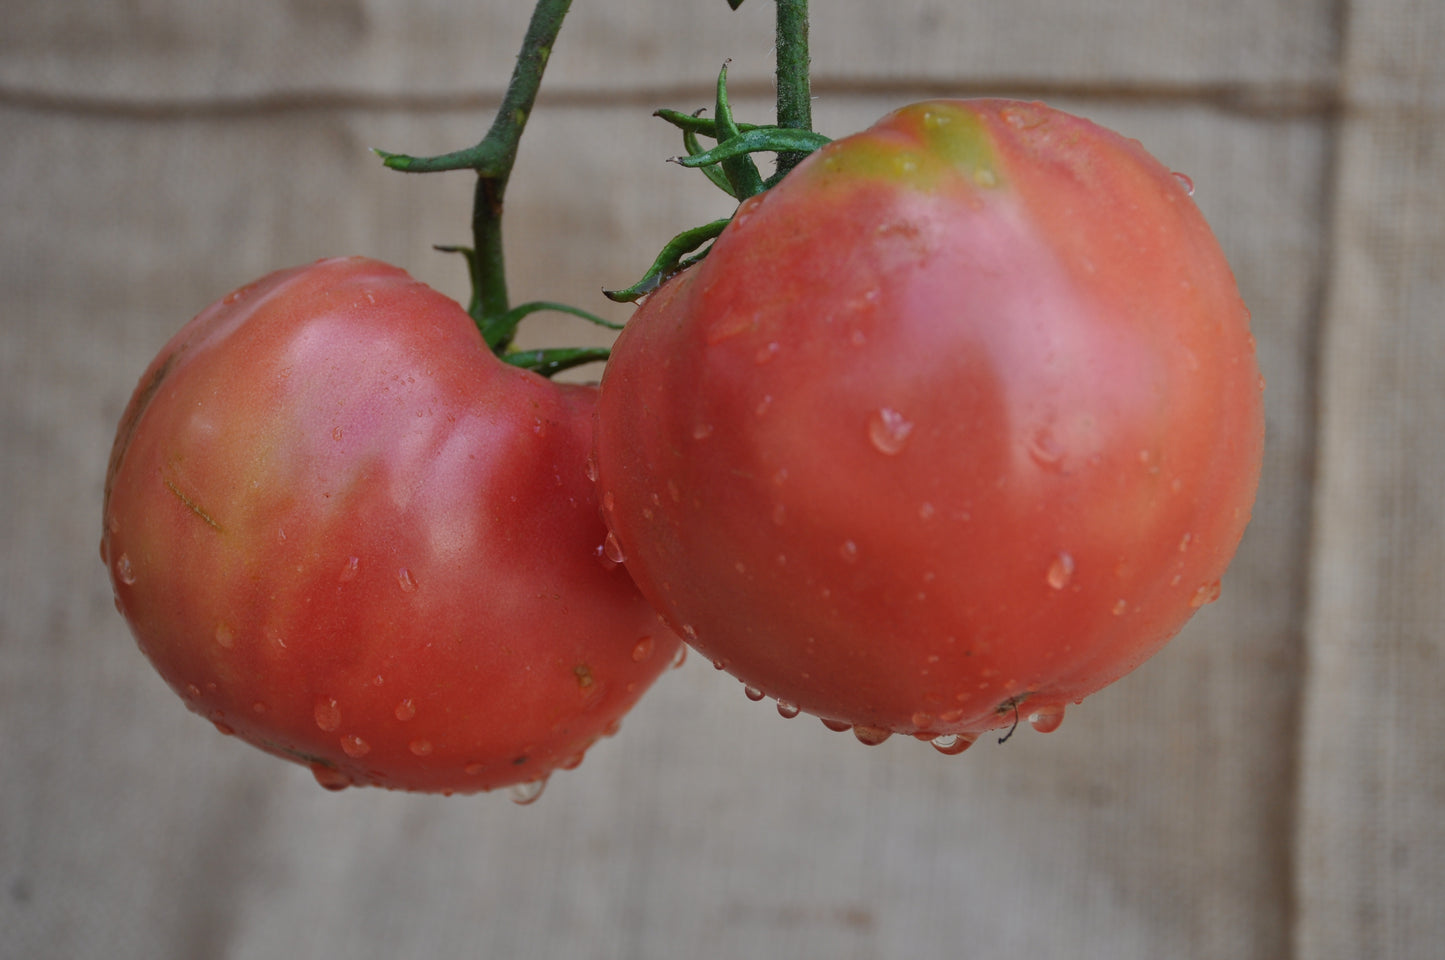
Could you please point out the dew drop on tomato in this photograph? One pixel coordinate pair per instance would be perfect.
(124, 571)
(951, 744)
(787, 709)
(329, 778)
(888, 431)
(1207, 593)
(612, 550)
(405, 580)
(327, 714)
(642, 649)
(354, 746)
(837, 726)
(420, 748)
(753, 693)
(1061, 571)
(405, 710)
(1047, 719)
(871, 736)
(525, 793)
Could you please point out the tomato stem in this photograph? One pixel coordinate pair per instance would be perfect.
(492, 159)
(795, 91)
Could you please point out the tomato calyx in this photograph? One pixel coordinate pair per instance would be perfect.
(729, 166)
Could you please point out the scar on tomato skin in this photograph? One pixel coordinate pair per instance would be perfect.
(193, 506)
(584, 675)
(140, 402)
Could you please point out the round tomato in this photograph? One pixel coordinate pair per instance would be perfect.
(347, 533)
(961, 419)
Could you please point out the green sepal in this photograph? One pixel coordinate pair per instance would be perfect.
(696, 123)
(757, 140)
(739, 169)
(554, 360)
(672, 259)
(719, 179)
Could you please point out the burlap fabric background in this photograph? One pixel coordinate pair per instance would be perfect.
(1271, 786)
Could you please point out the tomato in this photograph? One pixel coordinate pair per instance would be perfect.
(345, 532)
(961, 419)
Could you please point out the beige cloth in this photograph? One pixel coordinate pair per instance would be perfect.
(1271, 786)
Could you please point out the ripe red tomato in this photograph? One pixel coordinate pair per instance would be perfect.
(345, 532)
(962, 418)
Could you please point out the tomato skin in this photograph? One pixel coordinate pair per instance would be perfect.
(345, 532)
(963, 416)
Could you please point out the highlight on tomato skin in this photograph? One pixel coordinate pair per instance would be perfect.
(954, 426)
(345, 532)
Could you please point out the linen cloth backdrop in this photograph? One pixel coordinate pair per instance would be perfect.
(1271, 786)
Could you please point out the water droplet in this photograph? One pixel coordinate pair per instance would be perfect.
(420, 748)
(353, 746)
(888, 431)
(258, 708)
(1185, 181)
(405, 580)
(642, 649)
(763, 405)
(330, 778)
(780, 514)
(474, 769)
(405, 710)
(525, 793)
(871, 736)
(788, 710)
(1207, 593)
(349, 569)
(592, 472)
(327, 714)
(1061, 571)
(1184, 542)
(1045, 450)
(681, 657)
(926, 511)
(124, 572)
(922, 720)
(702, 431)
(767, 352)
(753, 693)
(719, 664)
(952, 744)
(848, 551)
(1024, 116)
(223, 728)
(837, 726)
(225, 636)
(612, 550)
(1047, 719)
(193, 692)
(1120, 607)
(572, 762)
(688, 633)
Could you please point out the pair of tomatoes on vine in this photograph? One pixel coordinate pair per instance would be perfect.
(957, 422)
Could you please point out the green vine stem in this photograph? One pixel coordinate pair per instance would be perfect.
(795, 90)
(493, 159)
